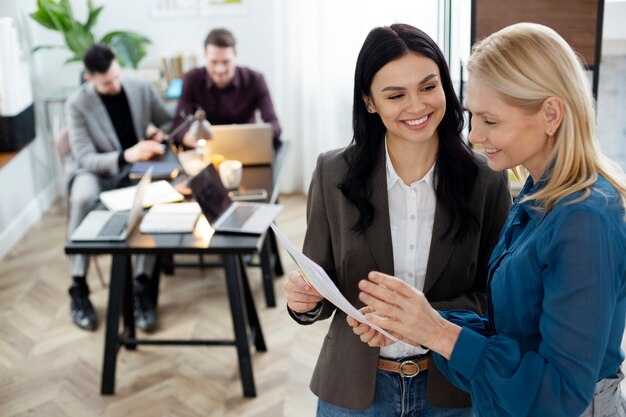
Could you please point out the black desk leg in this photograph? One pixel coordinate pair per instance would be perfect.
(128, 306)
(266, 270)
(240, 322)
(155, 280)
(167, 263)
(120, 275)
(278, 265)
(253, 318)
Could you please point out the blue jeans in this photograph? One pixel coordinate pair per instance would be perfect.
(395, 397)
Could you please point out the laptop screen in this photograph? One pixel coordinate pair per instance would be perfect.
(208, 190)
(249, 143)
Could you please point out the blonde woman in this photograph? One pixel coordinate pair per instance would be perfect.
(549, 344)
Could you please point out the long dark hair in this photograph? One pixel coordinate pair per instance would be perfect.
(455, 170)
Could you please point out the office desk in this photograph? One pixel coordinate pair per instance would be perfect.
(245, 320)
(231, 248)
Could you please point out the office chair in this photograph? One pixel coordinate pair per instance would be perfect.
(62, 145)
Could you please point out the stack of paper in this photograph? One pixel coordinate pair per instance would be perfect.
(171, 218)
(317, 277)
(158, 192)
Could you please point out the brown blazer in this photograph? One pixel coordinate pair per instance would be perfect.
(345, 373)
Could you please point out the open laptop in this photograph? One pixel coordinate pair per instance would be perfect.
(104, 225)
(249, 143)
(223, 214)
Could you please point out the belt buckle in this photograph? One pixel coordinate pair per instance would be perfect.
(408, 374)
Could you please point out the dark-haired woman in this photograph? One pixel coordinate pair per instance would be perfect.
(407, 197)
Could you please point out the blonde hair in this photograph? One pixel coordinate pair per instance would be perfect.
(527, 63)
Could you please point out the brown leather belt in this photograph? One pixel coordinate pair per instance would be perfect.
(408, 368)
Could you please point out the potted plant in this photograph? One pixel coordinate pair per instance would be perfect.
(128, 47)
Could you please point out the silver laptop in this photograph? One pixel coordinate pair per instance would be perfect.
(104, 225)
(223, 214)
(249, 143)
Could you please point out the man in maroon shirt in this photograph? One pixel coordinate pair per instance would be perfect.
(226, 92)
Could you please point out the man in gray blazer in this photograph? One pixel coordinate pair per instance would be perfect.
(108, 119)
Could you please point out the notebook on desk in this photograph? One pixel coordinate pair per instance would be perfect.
(249, 143)
(103, 225)
(164, 167)
(158, 192)
(223, 214)
(170, 218)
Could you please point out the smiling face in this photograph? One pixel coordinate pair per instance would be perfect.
(220, 64)
(408, 96)
(509, 135)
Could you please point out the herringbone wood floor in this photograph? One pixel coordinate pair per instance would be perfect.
(48, 367)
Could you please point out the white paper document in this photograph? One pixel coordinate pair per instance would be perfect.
(171, 218)
(317, 277)
(158, 192)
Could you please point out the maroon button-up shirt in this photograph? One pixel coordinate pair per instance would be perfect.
(235, 103)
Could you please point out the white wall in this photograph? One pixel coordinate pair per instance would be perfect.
(614, 33)
(254, 32)
(612, 88)
(26, 186)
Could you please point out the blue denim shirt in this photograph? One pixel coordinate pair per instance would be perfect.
(556, 306)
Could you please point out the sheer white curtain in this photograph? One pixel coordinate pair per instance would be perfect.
(317, 44)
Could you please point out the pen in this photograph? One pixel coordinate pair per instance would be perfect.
(305, 277)
(300, 269)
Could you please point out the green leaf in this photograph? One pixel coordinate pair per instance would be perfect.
(42, 17)
(135, 36)
(57, 15)
(66, 6)
(93, 17)
(128, 47)
(78, 40)
(37, 48)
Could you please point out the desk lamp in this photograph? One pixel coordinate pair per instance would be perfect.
(200, 128)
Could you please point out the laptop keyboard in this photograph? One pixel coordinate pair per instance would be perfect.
(115, 225)
(238, 217)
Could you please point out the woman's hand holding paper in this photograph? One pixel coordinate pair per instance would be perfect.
(301, 296)
(405, 313)
(367, 334)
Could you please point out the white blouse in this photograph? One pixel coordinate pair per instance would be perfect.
(411, 214)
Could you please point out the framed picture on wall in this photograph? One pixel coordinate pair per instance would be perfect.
(223, 7)
(173, 8)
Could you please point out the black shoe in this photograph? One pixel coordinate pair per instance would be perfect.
(145, 312)
(81, 310)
